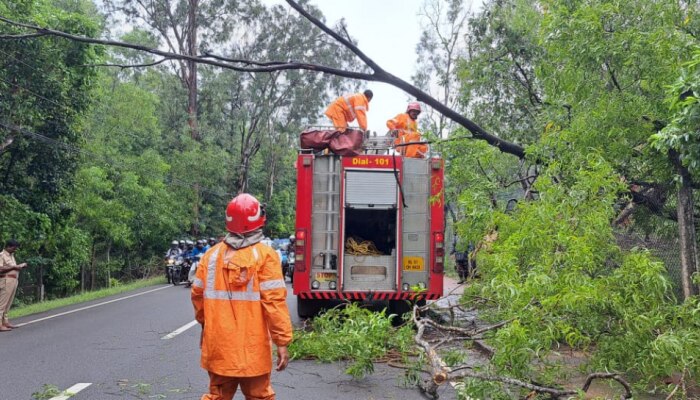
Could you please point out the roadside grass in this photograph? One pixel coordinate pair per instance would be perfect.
(35, 308)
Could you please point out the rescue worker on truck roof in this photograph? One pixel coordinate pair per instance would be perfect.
(346, 108)
(239, 298)
(405, 127)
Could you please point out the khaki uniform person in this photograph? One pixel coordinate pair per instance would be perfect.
(9, 272)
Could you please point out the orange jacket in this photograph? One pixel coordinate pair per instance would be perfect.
(239, 297)
(351, 106)
(407, 132)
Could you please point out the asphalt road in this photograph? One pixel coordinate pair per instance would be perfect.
(128, 347)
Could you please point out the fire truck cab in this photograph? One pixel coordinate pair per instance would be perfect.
(392, 201)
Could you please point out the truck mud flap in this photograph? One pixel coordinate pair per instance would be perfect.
(377, 296)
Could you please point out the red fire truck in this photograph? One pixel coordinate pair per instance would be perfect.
(393, 201)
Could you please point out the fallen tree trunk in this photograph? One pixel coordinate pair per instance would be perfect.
(440, 373)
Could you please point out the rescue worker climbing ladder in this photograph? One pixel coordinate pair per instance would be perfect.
(239, 297)
(346, 109)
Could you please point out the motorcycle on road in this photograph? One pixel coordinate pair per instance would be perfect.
(175, 265)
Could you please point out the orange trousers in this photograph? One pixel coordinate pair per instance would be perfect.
(253, 388)
(338, 119)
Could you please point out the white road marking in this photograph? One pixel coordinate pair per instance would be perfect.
(92, 306)
(71, 391)
(180, 330)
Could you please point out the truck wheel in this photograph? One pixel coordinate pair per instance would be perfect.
(308, 308)
(399, 308)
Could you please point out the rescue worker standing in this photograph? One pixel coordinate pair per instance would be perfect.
(406, 127)
(239, 298)
(346, 109)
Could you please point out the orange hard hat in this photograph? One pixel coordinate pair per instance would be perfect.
(244, 214)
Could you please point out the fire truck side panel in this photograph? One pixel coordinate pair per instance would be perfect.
(325, 221)
(437, 223)
(416, 262)
(305, 176)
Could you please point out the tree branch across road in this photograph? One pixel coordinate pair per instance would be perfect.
(378, 74)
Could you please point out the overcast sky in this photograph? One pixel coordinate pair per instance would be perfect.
(387, 31)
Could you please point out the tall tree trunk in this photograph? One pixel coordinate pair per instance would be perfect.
(242, 184)
(192, 69)
(109, 275)
(272, 166)
(192, 99)
(194, 230)
(686, 226)
(92, 266)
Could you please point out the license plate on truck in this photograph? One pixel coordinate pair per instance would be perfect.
(413, 263)
(325, 276)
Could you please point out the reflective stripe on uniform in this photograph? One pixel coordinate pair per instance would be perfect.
(273, 284)
(198, 283)
(363, 108)
(226, 295)
(212, 294)
(347, 102)
(211, 271)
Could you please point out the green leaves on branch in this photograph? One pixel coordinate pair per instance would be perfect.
(682, 134)
(351, 333)
(556, 268)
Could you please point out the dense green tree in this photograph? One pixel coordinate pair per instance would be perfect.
(44, 88)
(582, 84)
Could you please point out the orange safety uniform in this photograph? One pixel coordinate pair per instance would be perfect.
(346, 108)
(239, 297)
(407, 132)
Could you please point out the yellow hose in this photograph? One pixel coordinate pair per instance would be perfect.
(358, 247)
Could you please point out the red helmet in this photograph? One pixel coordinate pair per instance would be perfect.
(413, 106)
(244, 214)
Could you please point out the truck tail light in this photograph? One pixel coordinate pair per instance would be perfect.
(439, 251)
(300, 250)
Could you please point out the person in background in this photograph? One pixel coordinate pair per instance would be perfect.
(195, 257)
(9, 273)
(239, 298)
(173, 251)
(405, 128)
(346, 109)
(199, 248)
(462, 265)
